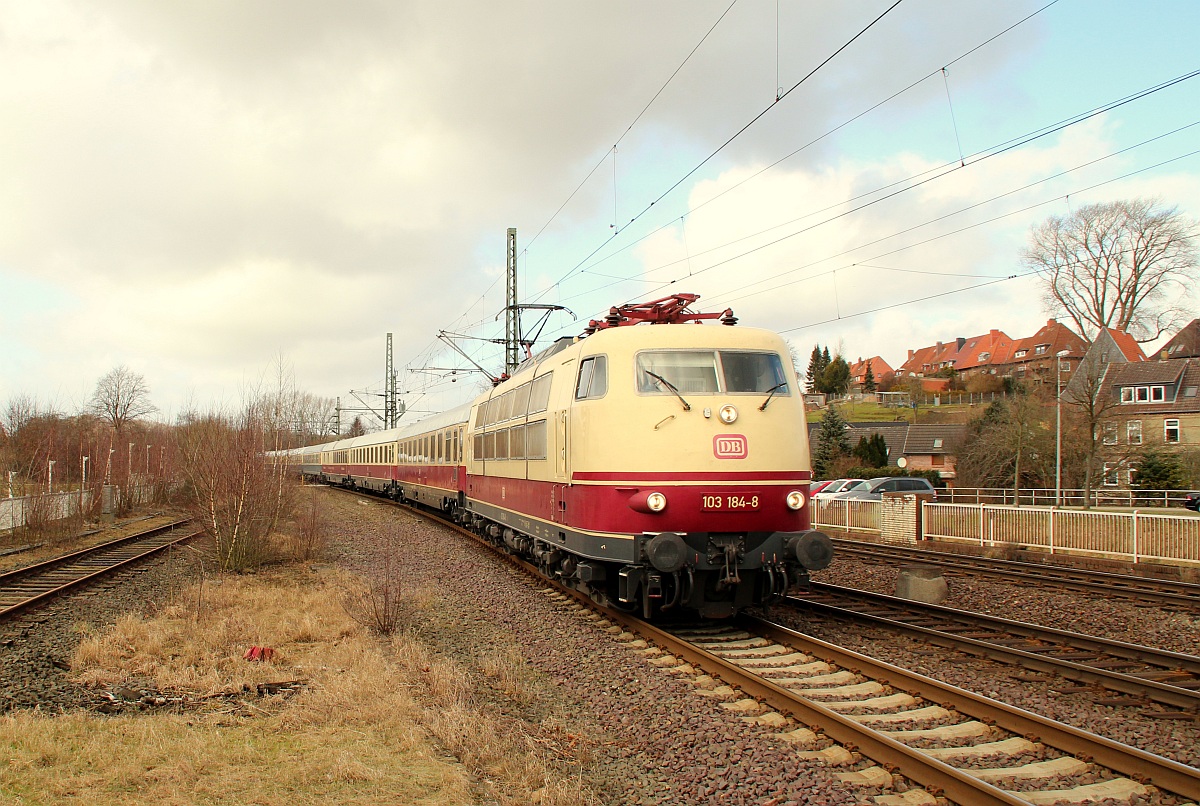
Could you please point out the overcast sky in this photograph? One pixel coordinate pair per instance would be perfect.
(199, 190)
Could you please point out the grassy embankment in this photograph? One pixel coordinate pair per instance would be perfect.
(377, 721)
(860, 412)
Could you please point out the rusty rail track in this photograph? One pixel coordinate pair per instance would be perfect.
(1157, 675)
(25, 587)
(1140, 589)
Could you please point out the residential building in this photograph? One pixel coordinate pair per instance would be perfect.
(996, 353)
(915, 447)
(880, 371)
(1186, 343)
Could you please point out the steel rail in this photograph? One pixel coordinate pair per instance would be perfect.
(1141, 765)
(1125, 683)
(1144, 589)
(20, 589)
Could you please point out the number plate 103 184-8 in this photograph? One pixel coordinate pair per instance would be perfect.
(725, 502)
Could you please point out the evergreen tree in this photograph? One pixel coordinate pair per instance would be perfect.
(832, 443)
(835, 380)
(869, 378)
(1159, 470)
(872, 451)
(357, 429)
(816, 369)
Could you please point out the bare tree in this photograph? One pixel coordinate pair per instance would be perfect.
(1088, 417)
(1120, 264)
(121, 396)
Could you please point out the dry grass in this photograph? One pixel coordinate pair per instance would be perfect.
(372, 726)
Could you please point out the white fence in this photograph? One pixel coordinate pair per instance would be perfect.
(1101, 496)
(1133, 536)
(13, 511)
(849, 516)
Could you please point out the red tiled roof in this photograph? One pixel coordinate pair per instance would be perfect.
(1126, 344)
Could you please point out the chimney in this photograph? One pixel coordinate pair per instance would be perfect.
(959, 342)
(911, 353)
(1050, 322)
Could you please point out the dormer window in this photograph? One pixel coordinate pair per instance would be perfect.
(1022, 353)
(1041, 349)
(1143, 394)
(984, 356)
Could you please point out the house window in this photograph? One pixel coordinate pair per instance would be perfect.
(1170, 431)
(1126, 394)
(1189, 392)
(937, 460)
(1133, 432)
(1141, 394)
(1022, 353)
(1133, 469)
(937, 443)
(1157, 394)
(1040, 349)
(1109, 432)
(1110, 474)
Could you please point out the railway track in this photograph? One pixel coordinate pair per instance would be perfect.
(1160, 592)
(27, 586)
(871, 718)
(1146, 673)
(966, 747)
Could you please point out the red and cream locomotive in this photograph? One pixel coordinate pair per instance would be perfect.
(655, 463)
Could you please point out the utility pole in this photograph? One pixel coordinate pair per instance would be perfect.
(512, 318)
(390, 417)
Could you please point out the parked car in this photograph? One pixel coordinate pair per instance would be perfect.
(836, 486)
(817, 486)
(1192, 501)
(873, 489)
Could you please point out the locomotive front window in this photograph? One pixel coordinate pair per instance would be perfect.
(753, 372)
(709, 372)
(687, 371)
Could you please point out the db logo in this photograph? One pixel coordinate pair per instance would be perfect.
(730, 446)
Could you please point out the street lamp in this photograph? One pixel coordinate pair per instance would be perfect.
(83, 483)
(1058, 357)
(108, 469)
(50, 476)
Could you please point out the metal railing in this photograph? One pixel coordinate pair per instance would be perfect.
(1101, 496)
(1133, 536)
(849, 516)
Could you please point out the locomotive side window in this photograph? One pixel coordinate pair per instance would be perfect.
(516, 442)
(477, 446)
(539, 394)
(593, 378)
(687, 371)
(521, 400)
(502, 444)
(535, 440)
(753, 372)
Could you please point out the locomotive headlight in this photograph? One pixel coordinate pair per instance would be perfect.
(656, 501)
(795, 499)
(728, 415)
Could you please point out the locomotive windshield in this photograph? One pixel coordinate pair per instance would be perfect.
(710, 372)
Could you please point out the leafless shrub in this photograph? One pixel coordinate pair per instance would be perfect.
(309, 539)
(232, 487)
(379, 603)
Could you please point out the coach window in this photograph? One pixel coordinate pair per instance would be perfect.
(593, 378)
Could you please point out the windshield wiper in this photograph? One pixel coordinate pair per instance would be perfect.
(686, 406)
(770, 394)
